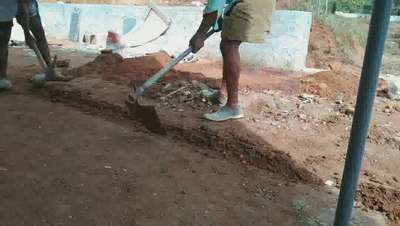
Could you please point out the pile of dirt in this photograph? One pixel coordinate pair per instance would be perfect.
(341, 79)
(133, 71)
(381, 199)
(323, 48)
(180, 100)
(176, 89)
(331, 84)
(112, 67)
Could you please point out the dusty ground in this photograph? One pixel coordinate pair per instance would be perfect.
(80, 166)
(295, 134)
(62, 167)
(288, 115)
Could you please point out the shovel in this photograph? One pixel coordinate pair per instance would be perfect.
(147, 113)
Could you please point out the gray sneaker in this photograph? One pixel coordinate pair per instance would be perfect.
(225, 113)
(5, 84)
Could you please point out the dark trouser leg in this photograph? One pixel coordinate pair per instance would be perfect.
(35, 26)
(231, 70)
(5, 33)
(40, 36)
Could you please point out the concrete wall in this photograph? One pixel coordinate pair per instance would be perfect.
(286, 48)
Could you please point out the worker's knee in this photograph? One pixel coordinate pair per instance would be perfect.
(228, 46)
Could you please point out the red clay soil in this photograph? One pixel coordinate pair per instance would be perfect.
(245, 146)
(224, 138)
(381, 199)
(228, 140)
(134, 71)
(330, 84)
(323, 48)
(113, 68)
(341, 79)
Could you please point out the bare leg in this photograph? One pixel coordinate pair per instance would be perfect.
(231, 74)
(231, 70)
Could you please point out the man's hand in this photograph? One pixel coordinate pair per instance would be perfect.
(197, 42)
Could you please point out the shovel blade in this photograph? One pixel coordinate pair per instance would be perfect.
(147, 114)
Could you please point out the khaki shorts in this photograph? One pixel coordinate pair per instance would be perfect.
(248, 21)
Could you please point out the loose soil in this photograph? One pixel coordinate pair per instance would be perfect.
(60, 166)
(247, 147)
(317, 105)
(381, 199)
(283, 129)
(323, 48)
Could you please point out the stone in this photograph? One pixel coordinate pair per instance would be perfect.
(306, 98)
(329, 183)
(302, 117)
(393, 87)
(322, 86)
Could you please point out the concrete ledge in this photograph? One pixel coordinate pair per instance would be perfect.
(286, 48)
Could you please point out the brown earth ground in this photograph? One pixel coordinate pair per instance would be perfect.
(90, 165)
(287, 113)
(296, 132)
(296, 127)
(63, 167)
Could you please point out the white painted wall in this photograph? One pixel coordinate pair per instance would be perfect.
(286, 47)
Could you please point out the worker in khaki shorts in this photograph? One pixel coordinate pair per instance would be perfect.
(243, 21)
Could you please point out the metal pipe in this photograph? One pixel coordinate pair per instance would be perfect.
(379, 25)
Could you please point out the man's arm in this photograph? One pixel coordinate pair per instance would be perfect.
(212, 12)
(197, 41)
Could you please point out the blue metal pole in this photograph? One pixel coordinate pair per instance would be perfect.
(365, 102)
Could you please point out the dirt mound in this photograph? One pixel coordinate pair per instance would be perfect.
(225, 141)
(331, 84)
(134, 71)
(113, 68)
(381, 199)
(323, 48)
(174, 90)
(180, 99)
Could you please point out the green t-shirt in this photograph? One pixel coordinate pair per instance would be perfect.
(216, 5)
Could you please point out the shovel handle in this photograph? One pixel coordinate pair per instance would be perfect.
(39, 57)
(156, 77)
